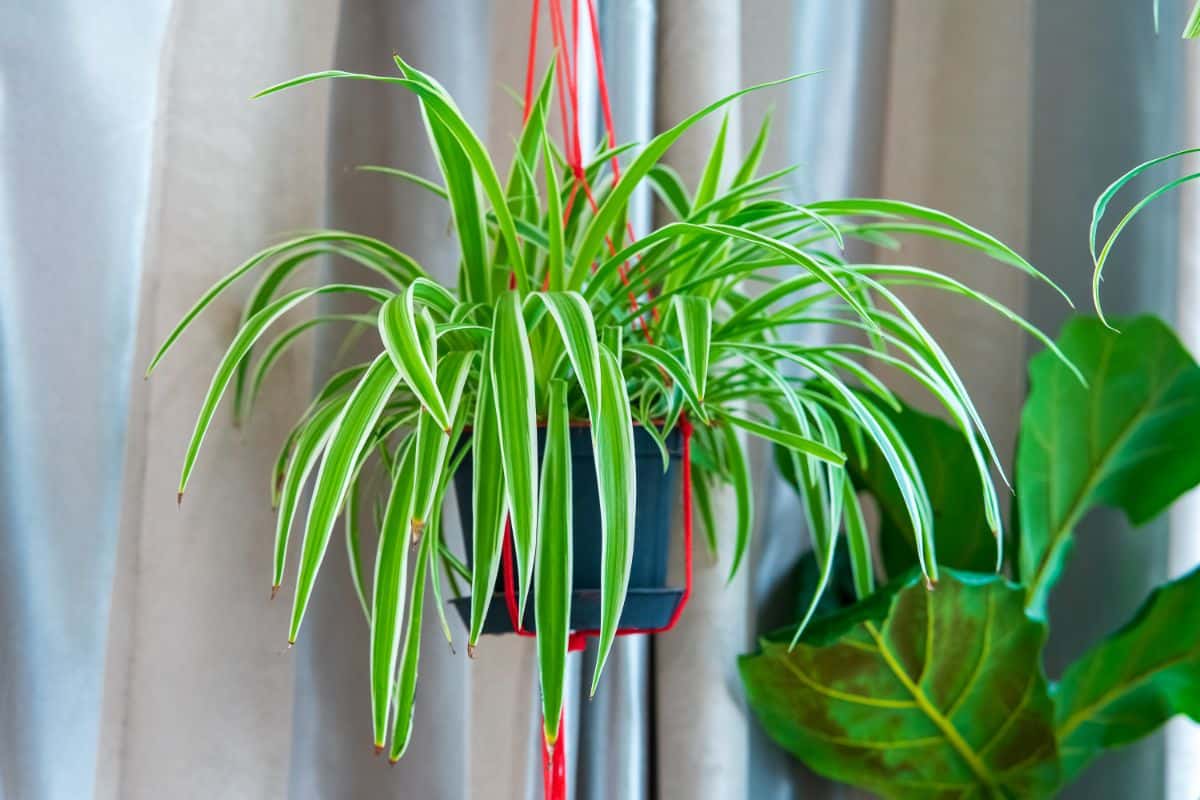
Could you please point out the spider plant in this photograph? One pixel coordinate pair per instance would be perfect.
(558, 316)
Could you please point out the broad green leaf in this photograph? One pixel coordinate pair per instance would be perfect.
(352, 430)
(488, 505)
(695, 331)
(309, 445)
(1129, 441)
(387, 598)
(246, 336)
(513, 393)
(1136, 679)
(399, 327)
(915, 693)
(554, 570)
(406, 689)
(616, 476)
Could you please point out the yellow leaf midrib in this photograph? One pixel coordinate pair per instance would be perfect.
(948, 731)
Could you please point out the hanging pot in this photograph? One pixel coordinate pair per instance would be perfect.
(650, 602)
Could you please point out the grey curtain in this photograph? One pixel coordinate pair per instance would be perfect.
(77, 125)
(141, 656)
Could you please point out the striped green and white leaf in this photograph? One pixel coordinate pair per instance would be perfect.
(399, 326)
(406, 689)
(352, 430)
(516, 423)
(488, 503)
(387, 599)
(616, 478)
(554, 569)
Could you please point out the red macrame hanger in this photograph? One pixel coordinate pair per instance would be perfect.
(567, 84)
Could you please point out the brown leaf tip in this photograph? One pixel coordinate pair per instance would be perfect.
(274, 591)
(378, 749)
(470, 651)
(179, 499)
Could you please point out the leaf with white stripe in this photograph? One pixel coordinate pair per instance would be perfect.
(387, 599)
(399, 329)
(695, 331)
(239, 347)
(513, 393)
(352, 432)
(553, 572)
(617, 478)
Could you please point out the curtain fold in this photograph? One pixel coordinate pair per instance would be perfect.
(198, 683)
(76, 130)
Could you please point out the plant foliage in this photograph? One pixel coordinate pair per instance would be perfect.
(556, 315)
(917, 693)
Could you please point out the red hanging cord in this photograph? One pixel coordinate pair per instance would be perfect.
(554, 760)
(567, 84)
(554, 765)
(530, 60)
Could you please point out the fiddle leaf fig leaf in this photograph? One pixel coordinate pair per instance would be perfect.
(915, 693)
(1134, 680)
(1138, 415)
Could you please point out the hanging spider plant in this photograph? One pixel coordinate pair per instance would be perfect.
(558, 316)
